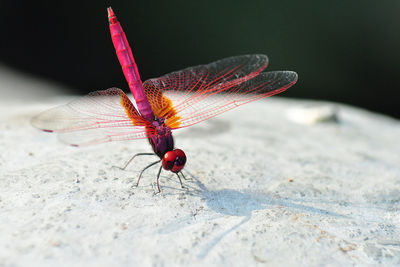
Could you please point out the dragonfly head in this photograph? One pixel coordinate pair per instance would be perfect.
(174, 160)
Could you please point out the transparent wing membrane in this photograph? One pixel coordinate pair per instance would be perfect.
(198, 93)
(182, 98)
(197, 109)
(98, 117)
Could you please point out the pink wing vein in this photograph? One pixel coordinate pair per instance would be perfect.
(95, 118)
(202, 92)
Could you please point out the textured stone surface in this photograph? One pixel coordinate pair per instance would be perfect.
(261, 189)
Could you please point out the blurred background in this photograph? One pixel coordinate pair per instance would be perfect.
(343, 51)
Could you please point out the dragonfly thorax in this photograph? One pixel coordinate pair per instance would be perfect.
(160, 137)
(163, 145)
(174, 160)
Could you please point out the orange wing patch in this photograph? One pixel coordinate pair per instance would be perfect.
(131, 111)
(162, 106)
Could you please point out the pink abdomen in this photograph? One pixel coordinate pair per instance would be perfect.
(129, 67)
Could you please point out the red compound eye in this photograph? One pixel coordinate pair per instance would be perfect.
(168, 160)
(179, 161)
(174, 160)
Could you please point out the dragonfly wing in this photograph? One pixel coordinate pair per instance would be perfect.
(184, 97)
(199, 108)
(98, 117)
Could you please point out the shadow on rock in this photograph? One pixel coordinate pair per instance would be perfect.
(229, 202)
(236, 203)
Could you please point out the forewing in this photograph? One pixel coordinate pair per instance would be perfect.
(192, 110)
(98, 117)
(194, 84)
(198, 93)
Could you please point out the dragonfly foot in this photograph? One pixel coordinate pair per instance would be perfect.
(180, 181)
(158, 177)
(134, 186)
(183, 176)
(117, 167)
(140, 175)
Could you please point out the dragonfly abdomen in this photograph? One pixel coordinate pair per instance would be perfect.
(129, 66)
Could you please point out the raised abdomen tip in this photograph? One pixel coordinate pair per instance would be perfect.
(111, 16)
(110, 12)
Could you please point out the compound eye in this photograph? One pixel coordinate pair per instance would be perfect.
(179, 161)
(168, 160)
(180, 153)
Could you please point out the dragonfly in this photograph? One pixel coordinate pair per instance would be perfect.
(173, 101)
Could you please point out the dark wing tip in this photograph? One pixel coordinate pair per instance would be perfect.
(286, 76)
(293, 75)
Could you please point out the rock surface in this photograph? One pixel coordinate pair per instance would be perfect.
(262, 189)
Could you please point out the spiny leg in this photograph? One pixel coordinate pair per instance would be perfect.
(158, 177)
(180, 180)
(183, 176)
(148, 166)
(129, 161)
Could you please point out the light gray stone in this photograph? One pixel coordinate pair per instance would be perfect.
(262, 189)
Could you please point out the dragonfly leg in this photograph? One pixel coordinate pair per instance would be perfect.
(134, 156)
(148, 166)
(180, 180)
(158, 177)
(183, 176)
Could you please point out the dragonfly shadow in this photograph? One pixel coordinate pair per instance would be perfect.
(236, 203)
(227, 202)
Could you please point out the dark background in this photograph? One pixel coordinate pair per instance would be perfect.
(344, 51)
